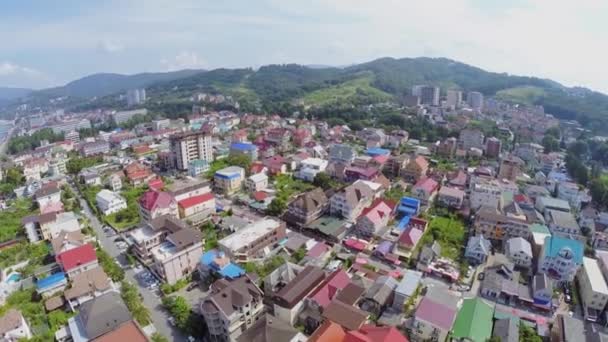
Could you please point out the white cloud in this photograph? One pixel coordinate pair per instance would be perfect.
(11, 69)
(109, 46)
(184, 60)
(15, 75)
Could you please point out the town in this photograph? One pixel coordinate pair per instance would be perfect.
(450, 219)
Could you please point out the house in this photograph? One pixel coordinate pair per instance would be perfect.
(434, 316)
(592, 289)
(13, 327)
(451, 197)
(101, 318)
(545, 203)
(89, 177)
(86, 286)
(349, 201)
(310, 167)
(301, 137)
(289, 300)
(154, 204)
(354, 173)
(115, 182)
(408, 240)
(474, 321)
(416, 169)
(254, 240)
(232, 307)
(244, 149)
(276, 165)
(374, 218)
(380, 295)
(48, 286)
(345, 315)
(216, 263)
(425, 190)
(506, 329)
(67, 240)
(197, 209)
(342, 153)
(567, 329)
(182, 189)
(229, 180)
(169, 246)
(563, 224)
(138, 174)
(270, 329)
(519, 251)
(278, 136)
(48, 226)
(198, 167)
(307, 207)
(542, 291)
(48, 198)
(109, 202)
(560, 258)
(332, 332)
(502, 283)
(328, 289)
(256, 182)
(77, 260)
(477, 250)
(406, 288)
(427, 255)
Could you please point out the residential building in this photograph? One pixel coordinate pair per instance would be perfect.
(571, 192)
(380, 295)
(307, 207)
(115, 181)
(425, 190)
(276, 165)
(70, 125)
(216, 263)
(406, 288)
(346, 315)
(184, 188)
(374, 218)
(13, 327)
(256, 182)
(191, 146)
(77, 260)
(560, 258)
(289, 301)
(67, 240)
(197, 209)
(254, 240)
(563, 224)
(495, 224)
(542, 291)
(592, 289)
(197, 167)
(154, 204)
(269, 329)
(545, 203)
(475, 100)
(302, 136)
(434, 316)
(310, 167)
(94, 148)
(277, 136)
(136, 97)
(138, 174)
(474, 321)
(231, 308)
(352, 199)
(567, 329)
(454, 98)
(354, 173)
(451, 197)
(121, 117)
(342, 153)
(50, 225)
(429, 95)
(229, 180)
(519, 251)
(471, 138)
(48, 198)
(493, 147)
(245, 149)
(416, 169)
(170, 247)
(72, 136)
(477, 250)
(87, 286)
(510, 168)
(57, 166)
(109, 202)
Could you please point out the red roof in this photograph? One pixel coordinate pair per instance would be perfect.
(318, 250)
(260, 196)
(372, 333)
(257, 167)
(429, 185)
(156, 183)
(330, 287)
(410, 237)
(76, 257)
(195, 200)
(355, 244)
(152, 199)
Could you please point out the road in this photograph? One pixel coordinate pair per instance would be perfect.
(158, 314)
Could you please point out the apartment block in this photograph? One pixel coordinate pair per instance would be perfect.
(254, 240)
(190, 146)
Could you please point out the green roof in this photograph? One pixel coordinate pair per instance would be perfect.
(474, 321)
(540, 228)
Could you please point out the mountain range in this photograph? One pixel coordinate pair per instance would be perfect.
(322, 86)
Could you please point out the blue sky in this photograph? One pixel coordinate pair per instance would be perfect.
(45, 43)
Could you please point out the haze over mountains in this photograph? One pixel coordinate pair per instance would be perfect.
(319, 85)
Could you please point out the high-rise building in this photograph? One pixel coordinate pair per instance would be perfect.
(190, 146)
(475, 99)
(136, 97)
(454, 98)
(417, 90)
(493, 147)
(429, 95)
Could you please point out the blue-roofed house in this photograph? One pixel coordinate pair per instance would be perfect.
(51, 284)
(243, 148)
(216, 262)
(377, 151)
(406, 288)
(560, 258)
(229, 180)
(477, 250)
(409, 206)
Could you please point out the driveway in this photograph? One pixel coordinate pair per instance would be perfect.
(153, 303)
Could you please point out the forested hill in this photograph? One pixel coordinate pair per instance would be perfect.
(281, 87)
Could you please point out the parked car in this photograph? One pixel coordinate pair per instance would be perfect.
(481, 276)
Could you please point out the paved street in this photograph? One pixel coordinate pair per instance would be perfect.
(158, 314)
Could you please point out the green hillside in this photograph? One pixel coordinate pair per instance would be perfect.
(523, 94)
(357, 90)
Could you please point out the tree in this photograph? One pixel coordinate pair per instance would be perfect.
(550, 144)
(156, 337)
(527, 334)
(276, 207)
(579, 148)
(132, 300)
(240, 160)
(553, 132)
(323, 180)
(179, 309)
(599, 190)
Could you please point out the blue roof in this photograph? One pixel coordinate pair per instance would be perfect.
(409, 283)
(50, 281)
(403, 223)
(410, 201)
(554, 244)
(232, 271)
(243, 146)
(207, 257)
(376, 151)
(227, 175)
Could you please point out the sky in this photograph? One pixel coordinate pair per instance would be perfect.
(46, 43)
